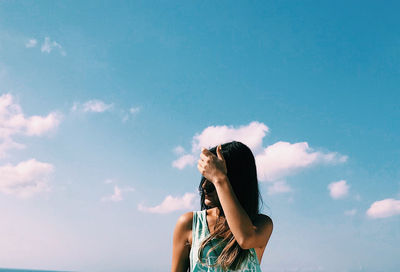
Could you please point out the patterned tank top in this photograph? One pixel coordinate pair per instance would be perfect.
(200, 231)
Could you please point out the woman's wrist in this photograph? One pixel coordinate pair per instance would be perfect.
(220, 180)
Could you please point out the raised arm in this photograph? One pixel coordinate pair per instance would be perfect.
(247, 234)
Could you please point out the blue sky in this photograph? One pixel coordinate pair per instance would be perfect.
(104, 107)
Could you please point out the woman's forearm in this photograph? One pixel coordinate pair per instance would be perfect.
(238, 220)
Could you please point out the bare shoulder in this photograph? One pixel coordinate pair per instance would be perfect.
(186, 219)
(263, 227)
(183, 228)
(264, 221)
(184, 222)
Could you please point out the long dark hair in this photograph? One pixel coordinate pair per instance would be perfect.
(242, 175)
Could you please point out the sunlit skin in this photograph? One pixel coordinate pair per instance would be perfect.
(248, 234)
(211, 199)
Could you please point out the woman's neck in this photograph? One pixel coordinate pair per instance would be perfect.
(216, 212)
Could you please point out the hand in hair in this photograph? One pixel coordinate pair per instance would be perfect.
(212, 167)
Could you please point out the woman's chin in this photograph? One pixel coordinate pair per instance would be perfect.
(209, 203)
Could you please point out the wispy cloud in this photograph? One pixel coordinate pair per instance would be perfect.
(384, 208)
(183, 161)
(100, 106)
(31, 43)
(282, 159)
(132, 111)
(279, 187)
(118, 194)
(13, 122)
(26, 178)
(171, 204)
(338, 189)
(94, 105)
(274, 162)
(8, 144)
(48, 45)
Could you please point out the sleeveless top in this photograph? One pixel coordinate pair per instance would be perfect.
(200, 231)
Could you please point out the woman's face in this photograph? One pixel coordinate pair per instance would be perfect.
(210, 194)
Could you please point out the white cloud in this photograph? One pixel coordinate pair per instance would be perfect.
(183, 161)
(279, 187)
(48, 46)
(134, 110)
(251, 135)
(350, 212)
(171, 204)
(31, 43)
(384, 208)
(26, 178)
(283, 159)
(130, 112)
(99, 106)
(8, 144)
(93, 105)
(96, 106)
(13, 122)
(338, 189)
(274, 162)
(38, 125)
(117, 195)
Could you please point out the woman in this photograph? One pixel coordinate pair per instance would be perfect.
(228, 234)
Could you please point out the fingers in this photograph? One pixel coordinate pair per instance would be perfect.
(205, 151)
(219, 153)
(208, 157)
(203, 156)
(201, 169)
(201, 163)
